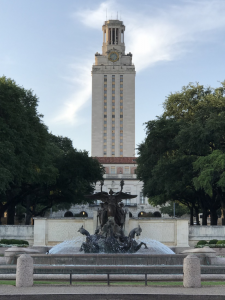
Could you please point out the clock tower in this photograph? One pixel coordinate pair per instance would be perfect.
(113, 96)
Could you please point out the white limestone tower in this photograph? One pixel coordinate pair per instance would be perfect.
(113, 96)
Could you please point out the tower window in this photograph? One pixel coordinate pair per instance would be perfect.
(113, 86)
(105, 85)
(104, 146)
(126, 170)
(142, 198)
(121, 78)
(113, 97)
(105, 77)
(105, 97)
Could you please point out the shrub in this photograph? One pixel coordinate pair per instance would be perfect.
(13, 242)
(213, 242)
(202, 242)
(221, 242)
(157, 214)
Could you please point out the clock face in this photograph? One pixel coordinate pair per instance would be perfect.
(113, 56)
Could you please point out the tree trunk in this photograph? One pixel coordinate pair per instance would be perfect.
(223, 212)
(10, 215)
(204, 217)
(191, 216)
(214, 216)
(197, 216)
(28, 213)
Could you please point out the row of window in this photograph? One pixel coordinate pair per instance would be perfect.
(126, 170)
(121, 110)
(113, 85)
(113, 115)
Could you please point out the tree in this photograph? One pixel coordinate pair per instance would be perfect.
(22, 133)
(166, 172)
(180, 209)
(37, 170)
(211, 177)
(77, 174)
(191, 127)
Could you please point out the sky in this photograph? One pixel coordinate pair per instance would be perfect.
(49, 45)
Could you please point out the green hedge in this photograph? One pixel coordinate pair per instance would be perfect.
(220, 242)
(214, 242)
(202, 242)
(13, 242)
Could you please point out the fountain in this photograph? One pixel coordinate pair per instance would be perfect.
(109, 236)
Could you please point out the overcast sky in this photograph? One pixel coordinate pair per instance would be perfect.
(49, 45)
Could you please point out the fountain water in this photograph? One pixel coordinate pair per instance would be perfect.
(73, 246)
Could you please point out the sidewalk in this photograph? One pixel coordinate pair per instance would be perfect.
(111, 292)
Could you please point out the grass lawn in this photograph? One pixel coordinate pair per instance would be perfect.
(132, 283)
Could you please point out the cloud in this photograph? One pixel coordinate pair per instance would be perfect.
(82, 86)
(161, 34)
(152, 35)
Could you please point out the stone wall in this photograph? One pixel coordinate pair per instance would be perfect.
(197, 233)
(171, 232)
(19, 232)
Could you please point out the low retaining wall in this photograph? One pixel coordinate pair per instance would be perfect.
(171, 232)
(197, 233)
(107, 259)
(19, 232)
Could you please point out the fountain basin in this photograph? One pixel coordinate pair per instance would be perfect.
(108, 259)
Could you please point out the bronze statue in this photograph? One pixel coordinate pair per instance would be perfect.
(113, 208)
(109, 237)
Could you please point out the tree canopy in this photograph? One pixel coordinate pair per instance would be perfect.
(37, 169)
(171, 158)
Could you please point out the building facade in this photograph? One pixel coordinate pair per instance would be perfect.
(113, 96)
(113, 122)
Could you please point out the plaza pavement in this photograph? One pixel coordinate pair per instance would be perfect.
(110, 293)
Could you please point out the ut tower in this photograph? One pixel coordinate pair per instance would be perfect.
(113, 96)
